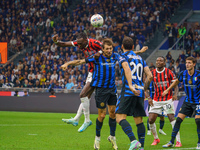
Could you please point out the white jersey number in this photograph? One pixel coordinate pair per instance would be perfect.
(138, 69)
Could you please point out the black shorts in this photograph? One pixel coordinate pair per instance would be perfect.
(131, 106)
(105, 96)
(188, 109)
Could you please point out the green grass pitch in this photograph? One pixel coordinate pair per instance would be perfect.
(46, 131)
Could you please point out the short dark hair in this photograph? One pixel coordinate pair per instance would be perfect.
(82, 35)
(107, 42)
(127, 43)
(162, 58)
(192, 59)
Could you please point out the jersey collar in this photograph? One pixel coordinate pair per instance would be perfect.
(87, 44)
(160, 71)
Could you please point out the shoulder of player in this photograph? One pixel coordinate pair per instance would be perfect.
(94, 41)
(198, 73)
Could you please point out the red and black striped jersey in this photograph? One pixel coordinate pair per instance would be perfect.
(162, 80)
(92, 47)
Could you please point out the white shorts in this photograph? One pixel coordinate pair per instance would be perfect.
(89, 77)
(165, 106)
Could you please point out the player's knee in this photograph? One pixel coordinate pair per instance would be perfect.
(151, 121)
(118, 119)
(102, 116)
(179, 120)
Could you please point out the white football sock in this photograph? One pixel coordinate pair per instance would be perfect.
(178, 138)
(79, 112)
(86, 108)
(153, 130)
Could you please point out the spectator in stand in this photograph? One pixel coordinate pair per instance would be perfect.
(69, 85)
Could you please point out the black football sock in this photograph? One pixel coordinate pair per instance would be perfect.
(176, 129)
(98, 127)
(112, 124)
(141, 133)
(127, 129)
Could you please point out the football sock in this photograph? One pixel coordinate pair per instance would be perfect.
(126, 127)
(86, 108)
(112, 124)
(176, 129)
(141, 133)
(178, 134)
(197, 120)
(79, 112)
(153, 130)
(148, 124)
(98, 127)
(162, 124)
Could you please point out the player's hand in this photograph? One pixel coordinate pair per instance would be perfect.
(136, 92)
(150, 101)
(165, 93)
(64, 67)
(97, 55)
(174, 97)
(55, 38)
(144, 48)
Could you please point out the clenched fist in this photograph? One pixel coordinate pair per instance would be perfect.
(55, 38)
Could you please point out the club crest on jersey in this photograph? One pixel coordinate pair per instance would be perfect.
(108, 60)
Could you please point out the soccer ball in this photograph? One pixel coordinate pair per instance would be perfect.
(96, 20)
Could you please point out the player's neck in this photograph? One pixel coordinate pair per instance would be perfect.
(160, 69)
(124, 50)
(191, 72)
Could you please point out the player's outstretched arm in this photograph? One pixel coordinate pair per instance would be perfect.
(60, 43)
(73, 63)
(144, 48)
(149, 77)
(175, 83)
(176, 89)
(128, 75)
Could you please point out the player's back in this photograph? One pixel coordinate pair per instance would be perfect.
(137, 65)
(162, 80)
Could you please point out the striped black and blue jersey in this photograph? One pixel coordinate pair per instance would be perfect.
(104, 72)
(191, 86)
(151, 90)
(137, 65)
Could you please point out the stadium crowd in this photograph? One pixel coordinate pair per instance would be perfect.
(41, 67)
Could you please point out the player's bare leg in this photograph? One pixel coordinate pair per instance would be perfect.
(152, 125)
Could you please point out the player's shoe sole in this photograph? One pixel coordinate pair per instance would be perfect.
(70, 121)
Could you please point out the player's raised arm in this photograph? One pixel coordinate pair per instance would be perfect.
(144, 48)
(73, 63)
(149, 77)
(60, 43)
(128, 75)
(175, 83)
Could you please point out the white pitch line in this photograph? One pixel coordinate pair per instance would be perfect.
(32, 134)
(179, 148)
(13, 125)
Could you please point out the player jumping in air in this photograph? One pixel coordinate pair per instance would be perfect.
(162, 78)
(89, 47)
(106, 92)
(191, 80)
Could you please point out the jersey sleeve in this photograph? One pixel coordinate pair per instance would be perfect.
(121, 59)
(90, 59)
(74, 43)
(180, 76)
(172, 76)
(144, 63)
